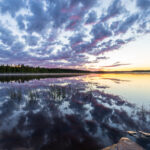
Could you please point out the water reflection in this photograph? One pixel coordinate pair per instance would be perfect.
(22, 78)
(66, 113)
(118, 81)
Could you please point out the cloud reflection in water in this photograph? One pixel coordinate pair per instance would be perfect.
(44, 116)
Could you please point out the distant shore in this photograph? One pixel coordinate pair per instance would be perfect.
(42, 74)
(72, 74)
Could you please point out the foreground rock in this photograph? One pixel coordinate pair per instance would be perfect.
(124, 144)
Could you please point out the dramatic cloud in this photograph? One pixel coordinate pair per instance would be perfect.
(143, 4)
(91, 17)
(11, 6)
(128, 23)
(6, 36)
(113, 10)
(100, 32)
(68, 33)
(31, 40)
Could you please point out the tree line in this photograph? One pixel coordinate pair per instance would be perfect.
(28, 69)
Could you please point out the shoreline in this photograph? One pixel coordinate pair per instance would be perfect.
(68, 74)
(42, 74)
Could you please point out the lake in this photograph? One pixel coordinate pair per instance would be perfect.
(73, 112)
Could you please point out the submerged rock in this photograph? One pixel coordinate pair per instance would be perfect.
(145, 134)
(124, 144)
(139, 134)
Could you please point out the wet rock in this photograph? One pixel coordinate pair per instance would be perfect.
(124, 144)
(139, 134)
(132, 133)
(145, 134)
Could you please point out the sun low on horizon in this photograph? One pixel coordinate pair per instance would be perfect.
(80, 34)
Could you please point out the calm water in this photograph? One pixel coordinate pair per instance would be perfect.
(69, 113)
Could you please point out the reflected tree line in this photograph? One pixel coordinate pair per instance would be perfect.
(24, 78)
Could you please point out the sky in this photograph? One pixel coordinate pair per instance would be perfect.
(81, 34)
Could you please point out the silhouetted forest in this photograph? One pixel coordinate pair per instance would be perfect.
(28, 69)
(141, 71)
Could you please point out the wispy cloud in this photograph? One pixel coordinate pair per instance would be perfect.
(117, 64)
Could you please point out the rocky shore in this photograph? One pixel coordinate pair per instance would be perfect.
(124, 144)
(127, 144)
